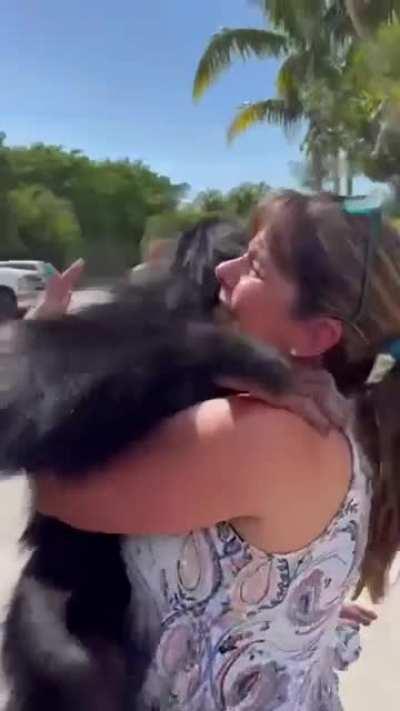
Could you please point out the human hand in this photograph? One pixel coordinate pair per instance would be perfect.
(358, 615)
(58, 292)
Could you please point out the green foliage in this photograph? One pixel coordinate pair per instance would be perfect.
(373, 107)
(168, 225)
(243, 199)
(57, 204)
(238, 203)
(47, 225)
(271, 111)
(310, 39)
(367, 15)
(296, 19)
(210, 201)
(344, 90)
(227, 45)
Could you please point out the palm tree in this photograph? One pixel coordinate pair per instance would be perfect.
(367, 15)
(314, 39)
(290, 40)
(302, 37)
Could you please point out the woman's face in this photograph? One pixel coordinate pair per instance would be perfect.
(262, 301)
(260, 298)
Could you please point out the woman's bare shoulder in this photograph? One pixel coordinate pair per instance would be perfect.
(237, 413)
(252, 421)
(238, 424)
(301, 478)
(283, 445)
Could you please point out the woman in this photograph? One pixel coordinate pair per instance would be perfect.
(262, 523)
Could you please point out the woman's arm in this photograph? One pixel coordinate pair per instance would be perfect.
(206, 464)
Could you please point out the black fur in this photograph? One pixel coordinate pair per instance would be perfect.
(75, 392)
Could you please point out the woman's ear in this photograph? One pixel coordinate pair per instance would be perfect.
(318, 336)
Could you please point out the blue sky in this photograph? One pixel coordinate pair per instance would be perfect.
(114, 78)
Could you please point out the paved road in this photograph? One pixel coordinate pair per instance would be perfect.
(83, 297)
(373, 683)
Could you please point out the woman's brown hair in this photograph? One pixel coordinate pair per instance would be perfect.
(324, 251)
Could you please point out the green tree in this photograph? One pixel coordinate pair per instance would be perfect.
(367, 15)
(10, 242)
(47, 225)
(374, 98)
(210, 200)
(168, 225)
(315, 39)
(111, 202)
(237, 203)
(302, 37)
(242, 199)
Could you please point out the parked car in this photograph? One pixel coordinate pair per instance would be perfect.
(19, 291)
(43, 269)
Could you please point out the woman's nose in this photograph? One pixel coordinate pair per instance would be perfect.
(228, 273)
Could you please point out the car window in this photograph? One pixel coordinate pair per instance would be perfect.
(22, 265)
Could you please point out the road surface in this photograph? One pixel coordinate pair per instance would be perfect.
(373, 683)
(83, 297)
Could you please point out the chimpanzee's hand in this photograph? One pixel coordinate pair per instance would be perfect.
(317, 399)
(313, 396)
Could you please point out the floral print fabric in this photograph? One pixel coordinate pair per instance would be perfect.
(236, 629)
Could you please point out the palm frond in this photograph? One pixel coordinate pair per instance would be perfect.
(302, 69)
(291, 75)
(281, 15)
(367, 15)
(226, 45)
(296, 18)
(338, 24)
(270, 111)
(386, 11)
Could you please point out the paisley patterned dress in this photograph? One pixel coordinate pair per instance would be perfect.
(234, 628)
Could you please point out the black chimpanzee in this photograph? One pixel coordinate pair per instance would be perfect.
(74, 392)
